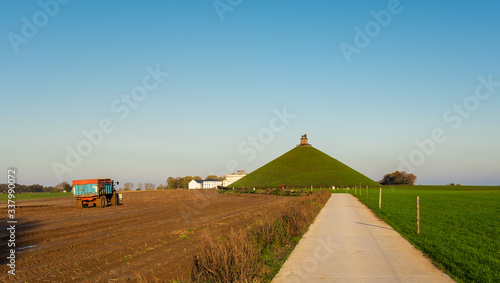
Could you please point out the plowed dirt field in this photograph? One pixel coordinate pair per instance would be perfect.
(152, 235)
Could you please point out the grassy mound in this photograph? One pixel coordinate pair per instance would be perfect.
(303, 167)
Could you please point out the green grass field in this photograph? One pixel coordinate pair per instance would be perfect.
(459, 226)
(4, 197)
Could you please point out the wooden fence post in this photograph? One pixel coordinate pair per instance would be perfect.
(418, 215)
(380, 200)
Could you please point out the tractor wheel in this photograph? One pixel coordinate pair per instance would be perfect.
(79, 203)
(114, 200)
(104, 202)
(101, 202)
(98, 202)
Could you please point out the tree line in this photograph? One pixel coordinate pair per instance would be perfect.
(395, 178)
(37, 188)
(139, 186)
(171, 183)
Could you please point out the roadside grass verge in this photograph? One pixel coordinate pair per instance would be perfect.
(26, 196)
(257, 253)
(459, 226)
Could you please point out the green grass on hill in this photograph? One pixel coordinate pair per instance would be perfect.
(459, 226)
(303, 167)
(25, 196)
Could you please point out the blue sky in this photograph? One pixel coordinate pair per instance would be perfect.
(245, 80)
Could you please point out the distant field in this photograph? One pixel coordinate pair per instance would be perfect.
(459, 225)
(25, 196)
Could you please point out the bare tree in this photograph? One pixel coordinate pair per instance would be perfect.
(63, 186)
(129, 185)
(139, 186)
(149, 186)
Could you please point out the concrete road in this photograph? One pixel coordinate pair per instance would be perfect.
(348, 243)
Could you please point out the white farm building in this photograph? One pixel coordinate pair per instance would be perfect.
(204, 184)
(231, 178)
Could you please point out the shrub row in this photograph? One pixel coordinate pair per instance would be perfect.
(257, 253)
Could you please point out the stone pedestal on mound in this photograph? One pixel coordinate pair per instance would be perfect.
(304, 141)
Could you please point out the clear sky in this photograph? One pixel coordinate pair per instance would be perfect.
(142, 90)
